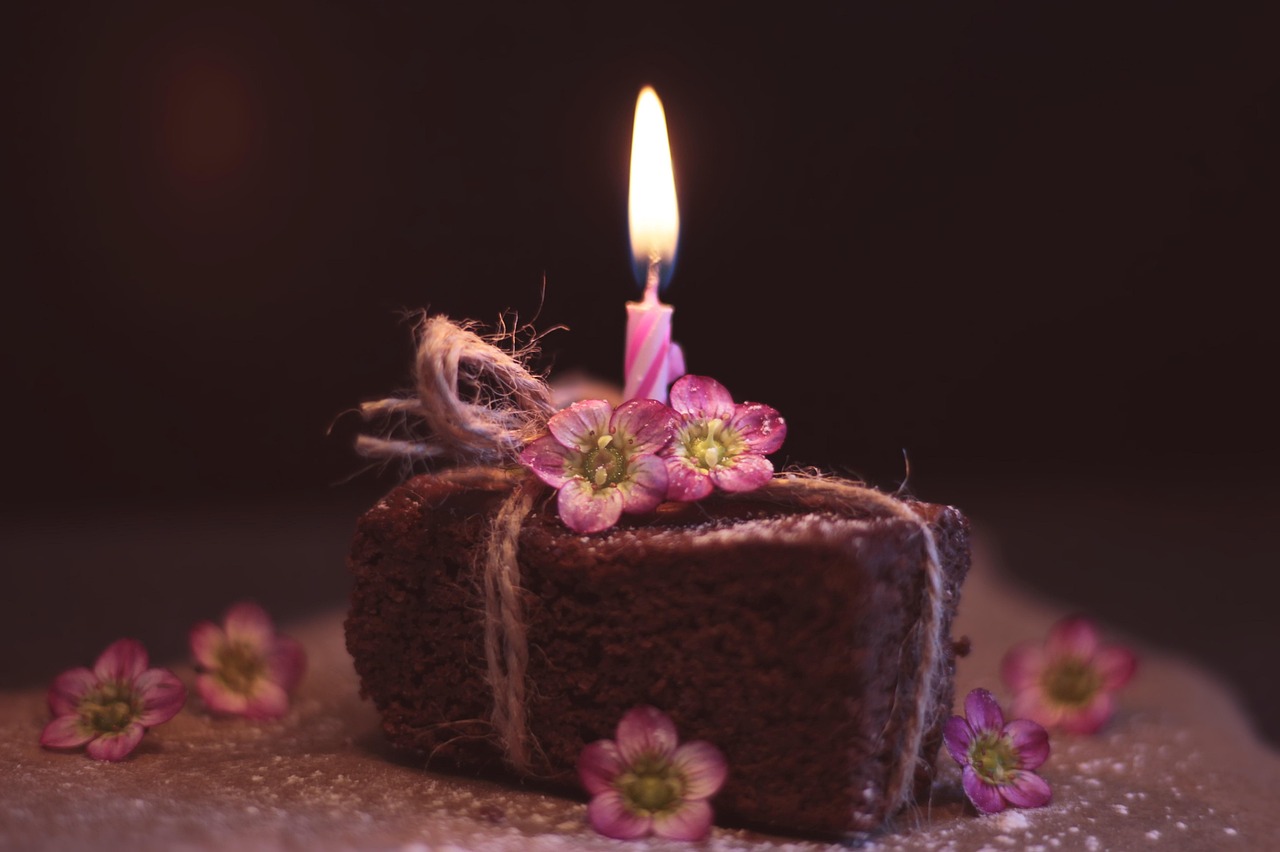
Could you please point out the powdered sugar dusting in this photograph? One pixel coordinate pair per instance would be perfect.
(323, 780)
(714, 535)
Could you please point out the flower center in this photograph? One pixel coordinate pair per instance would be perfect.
(1071, 681)
(239, 667)
(109, 709)
(993, 757)
(651, 786)
(605, 465)
(710, 444)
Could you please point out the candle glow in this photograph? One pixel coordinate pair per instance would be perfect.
(652, 360)
(651, 200)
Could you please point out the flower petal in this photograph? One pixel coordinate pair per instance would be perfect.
(686, 482)
(642, 425)
(703, 767)
(116, 746)
(1073, 637)
(957, 734)
(68, 688)
(1030, 740)
(249, 624)
(985, 797)
(645, 484)
(552, 462)
(610, 816)
(744, 472)
(123, 660)
(1115, 666)
(161, 694)
(1090, 718)
(1022, 666)
(581, 425)
(1027, 790)
(646, 732)
(268, 701)
(983, 712)
(702, 397)
(66, 732)
(598, 765)
(206, 639)
(217, 697)
(761, 427)
(691, 820)
(286, 662)
(1031, 704)
(586, 510)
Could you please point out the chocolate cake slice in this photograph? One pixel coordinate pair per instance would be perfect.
(789, 638)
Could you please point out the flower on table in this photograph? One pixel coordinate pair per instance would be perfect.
(246, 669)
(1069, 681)
(998, 759)
(719, 443)
(643, 783)
(603, 460)
(108, 708)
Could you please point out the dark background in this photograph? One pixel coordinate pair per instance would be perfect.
(1032, 245)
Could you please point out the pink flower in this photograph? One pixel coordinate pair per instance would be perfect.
(246, 669)
(998, 759)
(109, 708)
(1068, 682)
(719, 443)
(603, 460)
(641, 783)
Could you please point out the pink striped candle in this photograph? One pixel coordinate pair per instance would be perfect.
(652, 361)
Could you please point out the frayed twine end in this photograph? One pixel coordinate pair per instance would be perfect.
(475, 401)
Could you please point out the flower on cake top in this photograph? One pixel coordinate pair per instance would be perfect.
(108, 708)
(603, 460)
(643, 782)
(246, 669)
(1069, 681)
(998, 759)
(719, 443)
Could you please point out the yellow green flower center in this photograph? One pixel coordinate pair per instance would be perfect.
(1071, 681)
(993, 757)
(651, 786)
(605, 464)
(109, 709)
(710, 444)
(240, 667)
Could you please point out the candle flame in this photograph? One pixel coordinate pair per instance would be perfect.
(651, 202)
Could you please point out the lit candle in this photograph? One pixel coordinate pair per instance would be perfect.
(652, 361)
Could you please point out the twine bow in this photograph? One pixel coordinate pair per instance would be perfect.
(479, 405)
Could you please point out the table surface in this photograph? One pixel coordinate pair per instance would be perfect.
(1179, 768)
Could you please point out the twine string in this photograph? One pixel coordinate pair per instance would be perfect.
(822, 493)
(506, 645)
(478, 405)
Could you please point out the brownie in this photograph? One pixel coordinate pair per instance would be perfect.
(786, 637)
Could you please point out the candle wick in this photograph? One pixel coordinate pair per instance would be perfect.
(653, 278)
